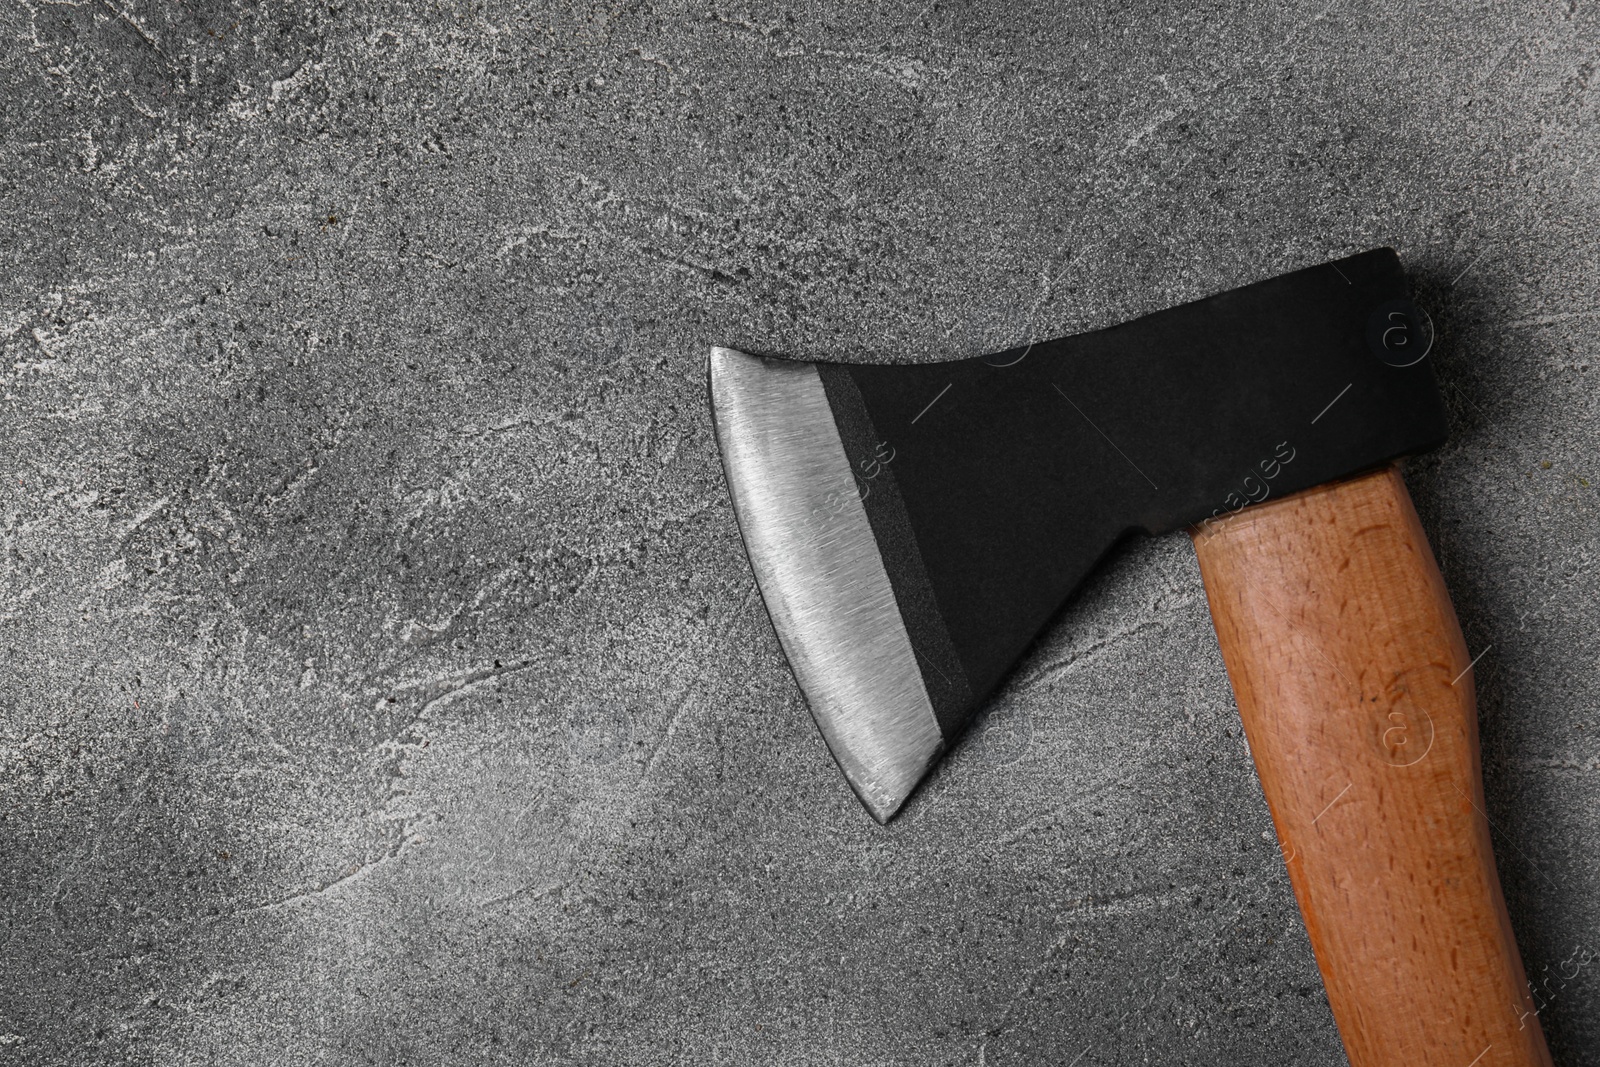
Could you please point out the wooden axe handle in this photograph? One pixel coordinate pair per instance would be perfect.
(1355, 689)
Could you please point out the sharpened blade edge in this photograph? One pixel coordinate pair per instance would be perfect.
(821, 574)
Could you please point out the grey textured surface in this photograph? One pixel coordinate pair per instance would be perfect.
(383, 680)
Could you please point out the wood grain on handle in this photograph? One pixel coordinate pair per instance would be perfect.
(1352, 679)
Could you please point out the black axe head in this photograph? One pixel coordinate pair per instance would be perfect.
(913, 528)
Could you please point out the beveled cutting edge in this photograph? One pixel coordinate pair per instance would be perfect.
(915, 526)
(821, 574)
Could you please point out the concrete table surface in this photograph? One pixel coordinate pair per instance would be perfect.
(383, 681)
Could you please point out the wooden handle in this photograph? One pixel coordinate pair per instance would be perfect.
(1356, 693)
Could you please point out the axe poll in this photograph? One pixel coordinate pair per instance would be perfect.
(913, 528)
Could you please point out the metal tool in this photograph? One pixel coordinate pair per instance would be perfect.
(914, 528)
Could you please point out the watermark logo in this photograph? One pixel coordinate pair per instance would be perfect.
(1406, 729)
(1399, 333)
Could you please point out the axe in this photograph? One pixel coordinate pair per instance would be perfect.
(913, 528)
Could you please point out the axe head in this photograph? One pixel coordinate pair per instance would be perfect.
(913, 528)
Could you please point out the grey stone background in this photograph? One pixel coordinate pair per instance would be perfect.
(383, 681)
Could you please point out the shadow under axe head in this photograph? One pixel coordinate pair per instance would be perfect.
(913, 528)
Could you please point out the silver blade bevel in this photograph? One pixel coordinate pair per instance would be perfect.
(822, 575)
